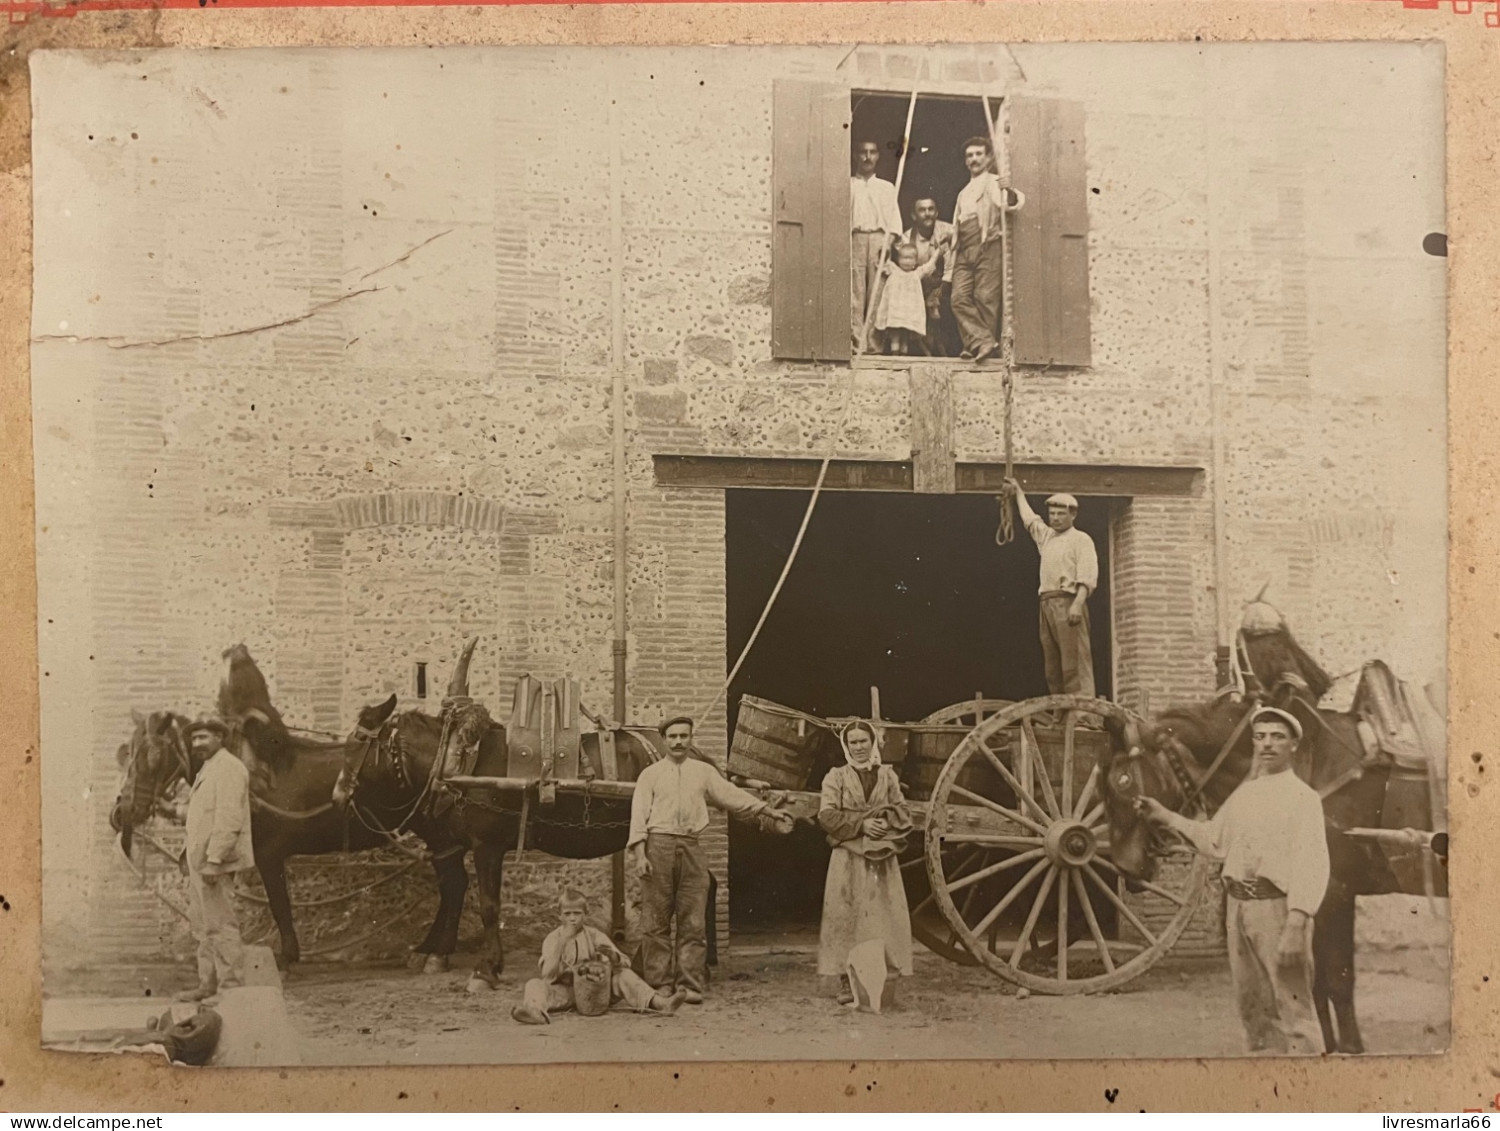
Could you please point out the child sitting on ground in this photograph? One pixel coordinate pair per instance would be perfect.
(902, 313)
(570, 946)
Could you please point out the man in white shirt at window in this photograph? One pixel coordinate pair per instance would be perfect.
(978, 278)
(875, 225)
(934, 241)
(1271, 836)
(1069, 573)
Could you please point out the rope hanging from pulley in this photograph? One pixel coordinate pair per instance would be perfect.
(1006, 533)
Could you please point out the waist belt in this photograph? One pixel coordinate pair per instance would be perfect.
(1049, 594)
(1257, 888)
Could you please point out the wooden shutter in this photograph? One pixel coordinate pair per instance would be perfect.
(810, 217)
(1050, 257)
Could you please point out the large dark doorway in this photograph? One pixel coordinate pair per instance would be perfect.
(908, 593)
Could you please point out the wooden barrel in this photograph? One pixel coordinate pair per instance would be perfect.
(928, 748)
(778, 745)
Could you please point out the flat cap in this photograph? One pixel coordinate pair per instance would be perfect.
(1063, 501)
(1280, 716)
(673, 721)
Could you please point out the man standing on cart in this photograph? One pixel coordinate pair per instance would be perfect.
(668, 813)
(1069, 573)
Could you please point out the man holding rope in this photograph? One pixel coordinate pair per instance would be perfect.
(1069, 573)
(978, 270)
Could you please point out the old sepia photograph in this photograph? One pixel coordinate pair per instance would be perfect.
(855, 552)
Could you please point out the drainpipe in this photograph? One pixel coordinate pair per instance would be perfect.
(1218, 399)
(617, 405)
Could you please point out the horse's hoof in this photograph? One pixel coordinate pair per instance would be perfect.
(478, 984)
(415, 960)
(435, 964)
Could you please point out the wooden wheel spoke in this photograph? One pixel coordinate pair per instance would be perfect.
(1094, 814)
(992, 840)
(914, 862)
(995, 806)
(1038, 766)
(1120, 905)
(1062, 929)
(1031, 918)
(1021, 792)
(995, 869)
(1093, 922)
(1147, 885)
(924, 905)
(1010, 897)
(1070, 723)
(1086, 794)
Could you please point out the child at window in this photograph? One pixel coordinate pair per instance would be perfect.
(569, 947)
(902, 315)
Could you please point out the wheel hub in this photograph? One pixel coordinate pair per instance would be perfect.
(1071, 843)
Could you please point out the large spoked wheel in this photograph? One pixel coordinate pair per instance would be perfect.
(1017, 854)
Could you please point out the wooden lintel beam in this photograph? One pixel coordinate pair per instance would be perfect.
(793, 474)
(1084, 479)
(1097, 480)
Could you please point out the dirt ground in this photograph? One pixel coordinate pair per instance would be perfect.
(766, 1003)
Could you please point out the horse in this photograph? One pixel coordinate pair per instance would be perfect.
(392, 765)
(291, 777)
(1215, 738)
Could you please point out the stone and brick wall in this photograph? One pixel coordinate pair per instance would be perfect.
(423, 451)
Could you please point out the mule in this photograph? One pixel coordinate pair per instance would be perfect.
(291, 778)
(1330, 758)
(390, 766)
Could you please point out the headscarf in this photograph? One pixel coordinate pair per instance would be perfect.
(874, 734)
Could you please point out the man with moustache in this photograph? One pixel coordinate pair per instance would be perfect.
(668, 813)
(874, 228)
(978, 272)
(934, 241)
(1270, 835)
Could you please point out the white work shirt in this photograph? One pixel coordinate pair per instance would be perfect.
(873, 206)
(1068, 559)
(982, 199)
(673, 797)
(1271, 827)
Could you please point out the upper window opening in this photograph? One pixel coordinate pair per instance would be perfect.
(941, 295)
(822, 262)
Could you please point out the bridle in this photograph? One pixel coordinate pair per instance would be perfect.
(381, 740)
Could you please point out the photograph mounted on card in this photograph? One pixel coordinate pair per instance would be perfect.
(759, 553)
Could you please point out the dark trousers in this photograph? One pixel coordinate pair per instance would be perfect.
(1067, 650)
(678, 884)
(978, 284)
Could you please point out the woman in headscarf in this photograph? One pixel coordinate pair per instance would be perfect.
(867, 823)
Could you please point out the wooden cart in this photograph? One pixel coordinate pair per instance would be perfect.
(1011, 870)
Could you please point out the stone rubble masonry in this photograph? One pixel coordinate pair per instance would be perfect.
(361, 490)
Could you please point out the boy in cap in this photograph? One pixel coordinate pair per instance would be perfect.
(1069, 573)
(1271, 837)
(668, 812)
(218, 846)
(572, 944)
